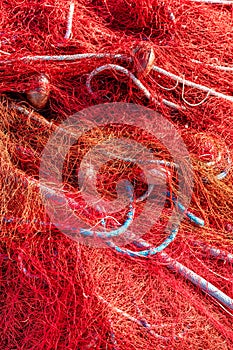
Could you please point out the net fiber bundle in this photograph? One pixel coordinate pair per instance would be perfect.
(105, 285)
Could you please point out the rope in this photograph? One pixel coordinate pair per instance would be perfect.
(194, 85)
(126, 72)
(70, 21)
(215, 252)
(193, 277)
(143, 323)
(215, 2)
(147, 252)
(219, 67)
(136, 81)
(199, 281)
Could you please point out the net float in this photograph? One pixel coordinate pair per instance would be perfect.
(38, 96)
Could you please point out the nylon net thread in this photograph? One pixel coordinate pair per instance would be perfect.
(57, 293)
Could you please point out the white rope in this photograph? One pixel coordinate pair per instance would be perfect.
(70, 57)
(215, 2)
(194, 85)
(70, 21)
(63, 58)
(136, 81)
(126, 72)
(194, 104)
(223, 68)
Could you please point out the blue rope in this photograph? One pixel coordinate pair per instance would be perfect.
(196, 220)
(113, 233)
(154, 250)
(52, 194)
(223, 174)
(121, 229)
(182, 209)
(24, 221)
(146, 252)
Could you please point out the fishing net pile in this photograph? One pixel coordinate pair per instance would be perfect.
(128, 278)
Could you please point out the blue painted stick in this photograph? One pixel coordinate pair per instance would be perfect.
(199, 281)
(193, 277)
(215, 252)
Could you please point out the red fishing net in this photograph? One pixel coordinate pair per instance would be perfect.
(139, 277)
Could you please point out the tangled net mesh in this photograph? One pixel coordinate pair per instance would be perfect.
(174, 58)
